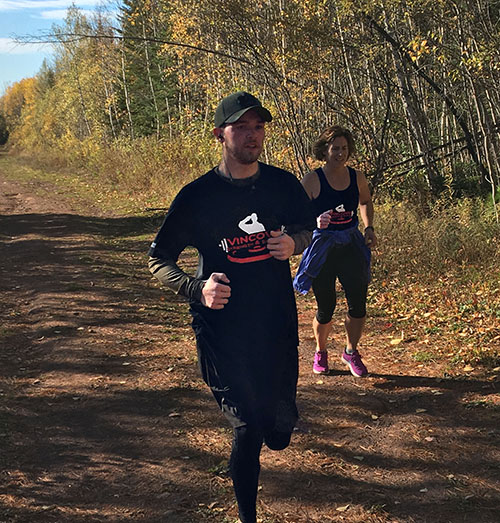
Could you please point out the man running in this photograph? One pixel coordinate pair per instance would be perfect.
(245, 219)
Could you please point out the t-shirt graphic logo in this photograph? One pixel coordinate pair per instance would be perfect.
(251, 224)
(341, 216)
(250, 247)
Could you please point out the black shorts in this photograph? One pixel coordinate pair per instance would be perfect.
(257, 390)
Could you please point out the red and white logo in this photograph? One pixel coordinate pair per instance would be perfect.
(250, 247)
(340, 215)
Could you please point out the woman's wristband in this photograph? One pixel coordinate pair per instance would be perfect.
(369, 227)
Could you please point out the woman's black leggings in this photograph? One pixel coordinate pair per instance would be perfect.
(348, 264)
(244, 465)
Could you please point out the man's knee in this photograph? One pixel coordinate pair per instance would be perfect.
(277, 440)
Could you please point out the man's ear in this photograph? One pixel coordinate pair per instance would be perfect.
(218, 134)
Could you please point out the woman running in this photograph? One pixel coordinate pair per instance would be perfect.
(338, 249)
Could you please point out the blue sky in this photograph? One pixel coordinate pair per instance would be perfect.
(29, 17)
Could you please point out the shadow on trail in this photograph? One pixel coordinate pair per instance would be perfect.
(60, 225)
(402, 381)
(106, 454)
(81, 310)
(81, 272)
(395, 382)
(408, 448)
(128, 452)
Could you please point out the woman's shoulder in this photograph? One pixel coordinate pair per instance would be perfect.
(359, 176)
(311, 183)
(356, 175)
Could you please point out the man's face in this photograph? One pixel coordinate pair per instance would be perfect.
(243, 140)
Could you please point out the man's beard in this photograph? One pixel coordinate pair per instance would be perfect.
(246, 156)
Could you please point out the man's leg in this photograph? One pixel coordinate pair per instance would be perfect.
(244, 466)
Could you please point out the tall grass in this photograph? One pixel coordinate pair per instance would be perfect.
(460, 235)
(437, 276)
(145, 170)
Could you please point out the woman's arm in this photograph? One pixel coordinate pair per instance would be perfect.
(366, 210)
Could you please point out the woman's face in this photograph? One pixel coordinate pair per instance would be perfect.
(337, 151)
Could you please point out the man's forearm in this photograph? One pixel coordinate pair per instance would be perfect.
(173, 277)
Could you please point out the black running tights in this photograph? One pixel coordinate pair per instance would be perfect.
(244, 465)
(348, 265)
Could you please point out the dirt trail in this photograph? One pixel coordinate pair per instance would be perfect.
(103, 416)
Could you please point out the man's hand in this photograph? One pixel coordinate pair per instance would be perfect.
(280, 245)
(215, 294)
(323, 220)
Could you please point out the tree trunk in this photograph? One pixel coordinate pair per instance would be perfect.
(127, 98)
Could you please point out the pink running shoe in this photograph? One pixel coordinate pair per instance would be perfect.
(355, 364)
(320, 365)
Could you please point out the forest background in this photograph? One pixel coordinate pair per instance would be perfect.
(127, 104)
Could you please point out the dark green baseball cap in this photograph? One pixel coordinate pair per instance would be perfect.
(234, 106)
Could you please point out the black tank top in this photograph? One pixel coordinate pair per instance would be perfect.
(344, 203)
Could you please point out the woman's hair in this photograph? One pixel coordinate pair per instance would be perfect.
(327, 137)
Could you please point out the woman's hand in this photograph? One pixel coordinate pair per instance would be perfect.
(323, 220)
(370, 238)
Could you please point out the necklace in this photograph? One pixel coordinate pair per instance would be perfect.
(227, 170)
(238, 181)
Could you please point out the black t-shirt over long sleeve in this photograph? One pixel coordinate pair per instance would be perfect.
(247, 350)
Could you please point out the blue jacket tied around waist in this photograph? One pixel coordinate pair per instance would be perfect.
(315, 255)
